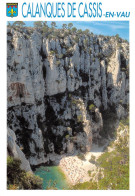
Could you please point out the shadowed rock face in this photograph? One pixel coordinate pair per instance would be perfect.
(62, 92)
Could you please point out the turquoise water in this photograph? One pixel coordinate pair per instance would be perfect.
(52, 175)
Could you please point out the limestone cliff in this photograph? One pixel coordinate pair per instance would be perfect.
(61, 90)
(14, 150)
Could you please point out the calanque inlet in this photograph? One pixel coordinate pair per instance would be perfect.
(65, 92)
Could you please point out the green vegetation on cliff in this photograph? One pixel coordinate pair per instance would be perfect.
(19, 179)
(112, 165)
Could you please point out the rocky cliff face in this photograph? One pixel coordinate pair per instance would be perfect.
(62, 90)
(14, 150)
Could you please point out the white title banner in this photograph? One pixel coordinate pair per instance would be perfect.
(68, 10)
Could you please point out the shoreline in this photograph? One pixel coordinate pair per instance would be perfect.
(64, 176)
(76, 170)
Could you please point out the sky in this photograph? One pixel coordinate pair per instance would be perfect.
(97, 27)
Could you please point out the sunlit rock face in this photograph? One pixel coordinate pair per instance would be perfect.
(61, 90)
(15, 151)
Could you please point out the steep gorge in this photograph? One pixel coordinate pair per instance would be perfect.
(64, 92)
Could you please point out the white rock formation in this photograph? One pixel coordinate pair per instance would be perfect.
(52, 83)
(15, 151)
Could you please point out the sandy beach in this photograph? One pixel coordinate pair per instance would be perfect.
(76, 170)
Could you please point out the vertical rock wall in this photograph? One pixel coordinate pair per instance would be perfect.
(60, 89)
